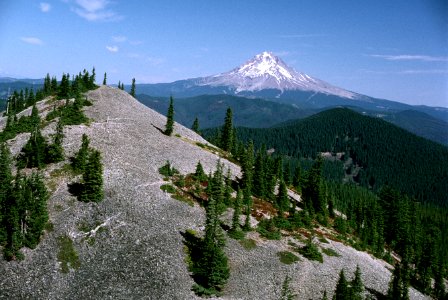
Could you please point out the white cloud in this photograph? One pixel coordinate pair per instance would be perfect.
(112, 49)
(95, 10)
(410, 57)
(407, 72)
(119, 39)
(32, 40)
(45, 7)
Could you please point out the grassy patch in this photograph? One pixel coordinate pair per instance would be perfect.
(311, 252)
(67, 255)
(287, 257)
(330, 252)
(237, 234)
(267, 229)
(323, 240)
(248, 244)
(168, 188)
(49, 227)
(183, 198)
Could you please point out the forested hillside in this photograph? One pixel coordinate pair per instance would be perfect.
(385, 153)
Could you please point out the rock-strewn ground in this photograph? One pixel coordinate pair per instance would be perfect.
(136, 250)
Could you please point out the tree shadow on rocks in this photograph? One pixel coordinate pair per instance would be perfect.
(75, 188)
(376, 294)
(159, 129)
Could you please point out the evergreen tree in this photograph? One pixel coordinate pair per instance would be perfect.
(47, 85)
(11, 221)
(169, 127)
(247, 200)
(399, 283)
(35, 119)
(216, 187)
(195, 126)
(64, 88)
(132, 92)
(228, 189)
(342, 290)
(212, 271)
(357, 286)
(287, 293)
(80, 159)
(199, 173)
(282, 200)
(92, 190)
(5, 186)
(119, 84)
(55, 151)
(237, 212)
(227, 137)
(105, 79)
(92, 79)
(247, 165)
(259, 178)
(36, 197)
(33, 153)
(54, 84)
(312, 193)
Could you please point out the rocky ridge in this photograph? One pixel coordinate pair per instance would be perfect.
(137, 250)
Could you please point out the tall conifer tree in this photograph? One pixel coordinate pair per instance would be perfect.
(227, 136)
(132, 92)
(169, 127)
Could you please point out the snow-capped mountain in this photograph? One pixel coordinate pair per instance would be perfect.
(267, 77)
(266, 71)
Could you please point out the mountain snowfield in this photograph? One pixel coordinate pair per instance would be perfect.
(139, 251)
(266, 71)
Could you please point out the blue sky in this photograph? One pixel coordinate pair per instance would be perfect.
(397, 50)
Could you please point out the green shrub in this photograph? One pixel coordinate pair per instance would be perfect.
(248, 244)
(67, 255)
(167, 170)
(168, 188)
(311, 252)
(237, 234)
(267, 229)
(287, 257)
(323, 240)
(330, 252)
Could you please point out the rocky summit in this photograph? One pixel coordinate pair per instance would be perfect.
(129, 246)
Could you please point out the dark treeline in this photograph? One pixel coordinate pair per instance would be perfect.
(66, 88)
(383, 153)
(378, 216)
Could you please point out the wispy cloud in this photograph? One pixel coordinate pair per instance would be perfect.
(44, 7)
(95, 10)
(300, 36)
(408, 72)
(145, 58)
(407, 57)
(112, 49)
(32, 40)
(119, 39)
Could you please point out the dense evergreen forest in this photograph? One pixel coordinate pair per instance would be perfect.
(23, 199)
(386, 205)
(382, 153)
